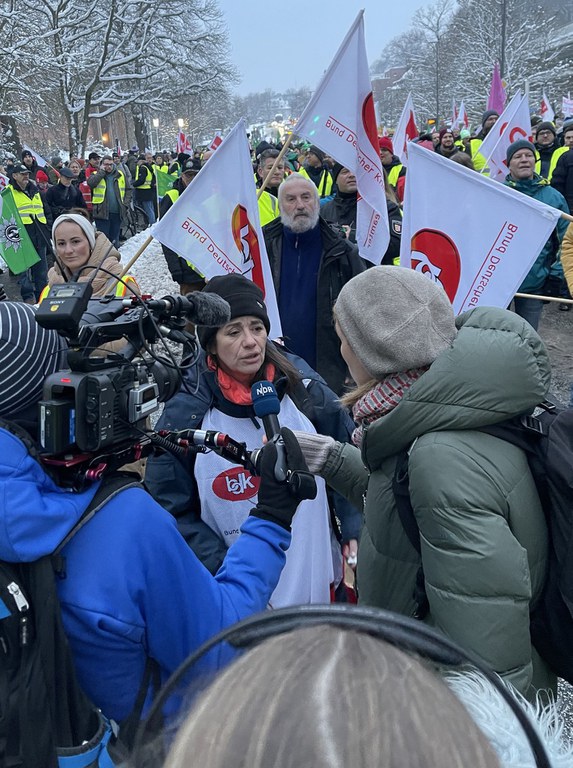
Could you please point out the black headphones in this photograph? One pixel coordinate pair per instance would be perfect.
(404, 633)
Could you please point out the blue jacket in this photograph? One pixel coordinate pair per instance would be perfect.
(171, 480)
(133, 588)
(548, 262)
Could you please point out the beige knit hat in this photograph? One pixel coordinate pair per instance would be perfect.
(395, 319)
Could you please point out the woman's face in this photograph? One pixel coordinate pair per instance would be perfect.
(75, 167)
(357, 370)
(240, 347)
(72, 246)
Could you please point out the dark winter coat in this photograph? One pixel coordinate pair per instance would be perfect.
(171, 480)
(341, 210)
(482, 529)
(181, 271)
(562, 179)
(61, 198)
(141, 176)
(339, 263)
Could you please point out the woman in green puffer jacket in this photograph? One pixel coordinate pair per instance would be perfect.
(426, 381)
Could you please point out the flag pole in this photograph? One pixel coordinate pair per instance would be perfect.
(543, 298)
(135, 257)
(278, 158)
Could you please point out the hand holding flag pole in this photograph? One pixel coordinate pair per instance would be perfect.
(278, 158)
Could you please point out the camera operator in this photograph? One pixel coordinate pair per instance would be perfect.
(133, 589)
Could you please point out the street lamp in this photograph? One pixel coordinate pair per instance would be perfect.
(155, 122)
(180, 122)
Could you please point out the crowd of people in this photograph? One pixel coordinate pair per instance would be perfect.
(372, 364)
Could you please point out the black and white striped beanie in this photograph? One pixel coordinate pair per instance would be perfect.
(28, 353)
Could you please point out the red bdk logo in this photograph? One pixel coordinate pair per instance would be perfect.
(247, 242)
(435, 255)
(236, 484)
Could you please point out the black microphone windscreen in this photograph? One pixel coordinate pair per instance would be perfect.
(208, 309)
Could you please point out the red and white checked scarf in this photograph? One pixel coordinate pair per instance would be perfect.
(382, 399)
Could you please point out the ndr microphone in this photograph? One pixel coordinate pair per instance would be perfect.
(267, 405)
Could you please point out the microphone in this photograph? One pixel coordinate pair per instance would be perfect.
(267, 405)
(198, 307)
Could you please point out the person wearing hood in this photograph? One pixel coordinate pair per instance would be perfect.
(134, 591)
(83, 252)
(488, 120)
(546, 272)
(427, 382)
(342, 211)
(108, 186)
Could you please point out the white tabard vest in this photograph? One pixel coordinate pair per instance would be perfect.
(228, 492)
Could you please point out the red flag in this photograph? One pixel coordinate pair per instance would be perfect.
(216, 141)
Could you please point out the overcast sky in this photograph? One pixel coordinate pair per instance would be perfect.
(292, 48)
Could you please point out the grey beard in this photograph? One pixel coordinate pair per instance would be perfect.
(300, 224)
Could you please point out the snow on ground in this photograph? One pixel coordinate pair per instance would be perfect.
(150, 269)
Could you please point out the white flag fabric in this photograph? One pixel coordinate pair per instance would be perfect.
(406, 130)
(547, 112)
(461, 118)
(517, 127)
(488, 144)
(4, 181)
(567, 107)
(482, 254)
(38, 158)
(215, 222)
(340, 119)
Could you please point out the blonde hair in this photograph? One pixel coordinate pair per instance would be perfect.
(326, 697)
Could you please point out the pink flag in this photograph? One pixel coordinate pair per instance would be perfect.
(497, 94)
(340, 119)
(406, 130)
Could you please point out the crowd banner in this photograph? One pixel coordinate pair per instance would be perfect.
(15, 245)
(546, 110)
(340, 119)
(481, 255)
(406, 130)
(215, 222)
(517, 127)
(488, 144)
(497, 95)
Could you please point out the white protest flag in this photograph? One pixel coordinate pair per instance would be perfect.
(38, 158)
(4, 181)
(340, 119)
(482, 254)
(546, 110)
(215, 222)
(567, 106)
(405, 131)
(488, 144)
(462, 118)
(518, 127)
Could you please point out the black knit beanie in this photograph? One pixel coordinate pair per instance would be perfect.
(243, 296)
(516, 146)
(546, 126)
(313, 149)
(336, 168)
(28, 353)
(488, 113)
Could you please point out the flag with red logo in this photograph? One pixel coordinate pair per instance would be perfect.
(517, 127)
(461, 118)
(546, 110)
(183, 143)
(481, 255)
(567, 106)
(406, 130)
(215, 222)
(340, 119)
(454, 113)
(4, 181)
(488, 144)
(218, 139)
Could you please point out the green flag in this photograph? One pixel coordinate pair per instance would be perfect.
(15, 245)
(164, 182)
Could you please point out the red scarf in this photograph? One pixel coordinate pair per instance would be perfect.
(381, 399)
(234, 390)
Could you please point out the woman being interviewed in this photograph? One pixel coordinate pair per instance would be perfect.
(211, 497)
(86, 254)
(427, 383)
